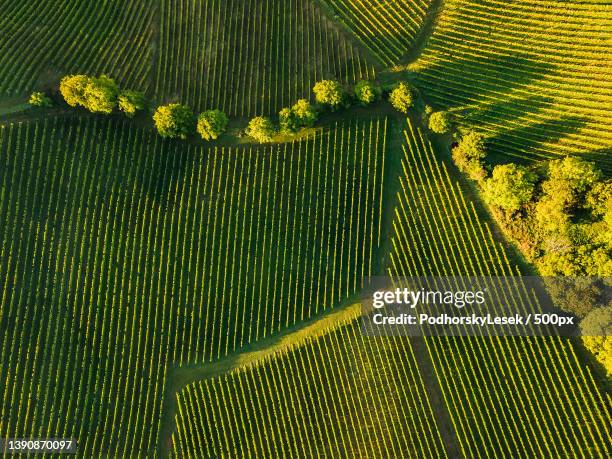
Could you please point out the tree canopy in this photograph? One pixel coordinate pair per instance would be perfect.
(261, 129)
(366, 92)
(468, 155)
(440, 122)
(40, 99)
(211, 124)
(402, 97)
(329, 92)
(131, 101)
(509, 187)
(174, 121)
(96, 94)
(304, 112)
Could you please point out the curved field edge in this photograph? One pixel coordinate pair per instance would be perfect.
(256, 354)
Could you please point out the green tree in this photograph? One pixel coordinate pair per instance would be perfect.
(131, 101)
(402, 97)
(101, 95)
(261, 129)
(174, 121)
(72, 88)
(40, 99)
(288, 121)
(366, 92)
(305, 112)
(329, 92)
(509, 187)
(596, 331)
(599, 198)
(440, 122)
(468, 155)
(568, 180)
(211, 124)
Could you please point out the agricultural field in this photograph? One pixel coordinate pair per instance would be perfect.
(195, 193)
(389, 29)
(133, 254)
(276, 50)
(43, 40)
(534, 76)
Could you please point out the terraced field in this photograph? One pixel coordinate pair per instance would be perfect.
(499, 391)
(534, 75)
(43, 40)
(250, 57)
(123, 255)
(388, 28)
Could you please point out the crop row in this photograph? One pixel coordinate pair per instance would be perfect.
(44, 39)
(499, 391)
(340, 395)
(249, 57)
(533, 75)
(122, 254)
(387, 28)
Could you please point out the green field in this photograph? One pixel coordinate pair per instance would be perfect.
(131, 254)
(202, 298)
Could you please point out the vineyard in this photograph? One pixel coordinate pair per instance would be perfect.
(533, 75)
(43, 40)
(387, 28)
(132, 254)
(341, 395)
(186, 284)
(499, 391)
(276, 51)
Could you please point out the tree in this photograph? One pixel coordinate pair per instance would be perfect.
(174, 121)
(568, 181)
(440, 122)
(329, 92)
(366, 92)
(288, 121)
(402, 97)
(211, 124)
(101, 95)
(261, 129)
(509, 187)
(468, 155)
(131, 101)
(596, 331)
(40, 99)
(72, 88)
(305, 112)
(599, 198)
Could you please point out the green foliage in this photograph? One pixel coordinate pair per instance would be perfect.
(402, 97)
(174, 121)
(509, 187)
(366, 92)
(599, 198)
(131, 101)
(101, 95)
(468, 155)
(211, 124)
(596, 331)
(440, 122)
(98, 95)
(40, 99)
(568, 181)
(261, 129)
(329, 92)
(72, 88)
(287, 121)
(305, 112)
